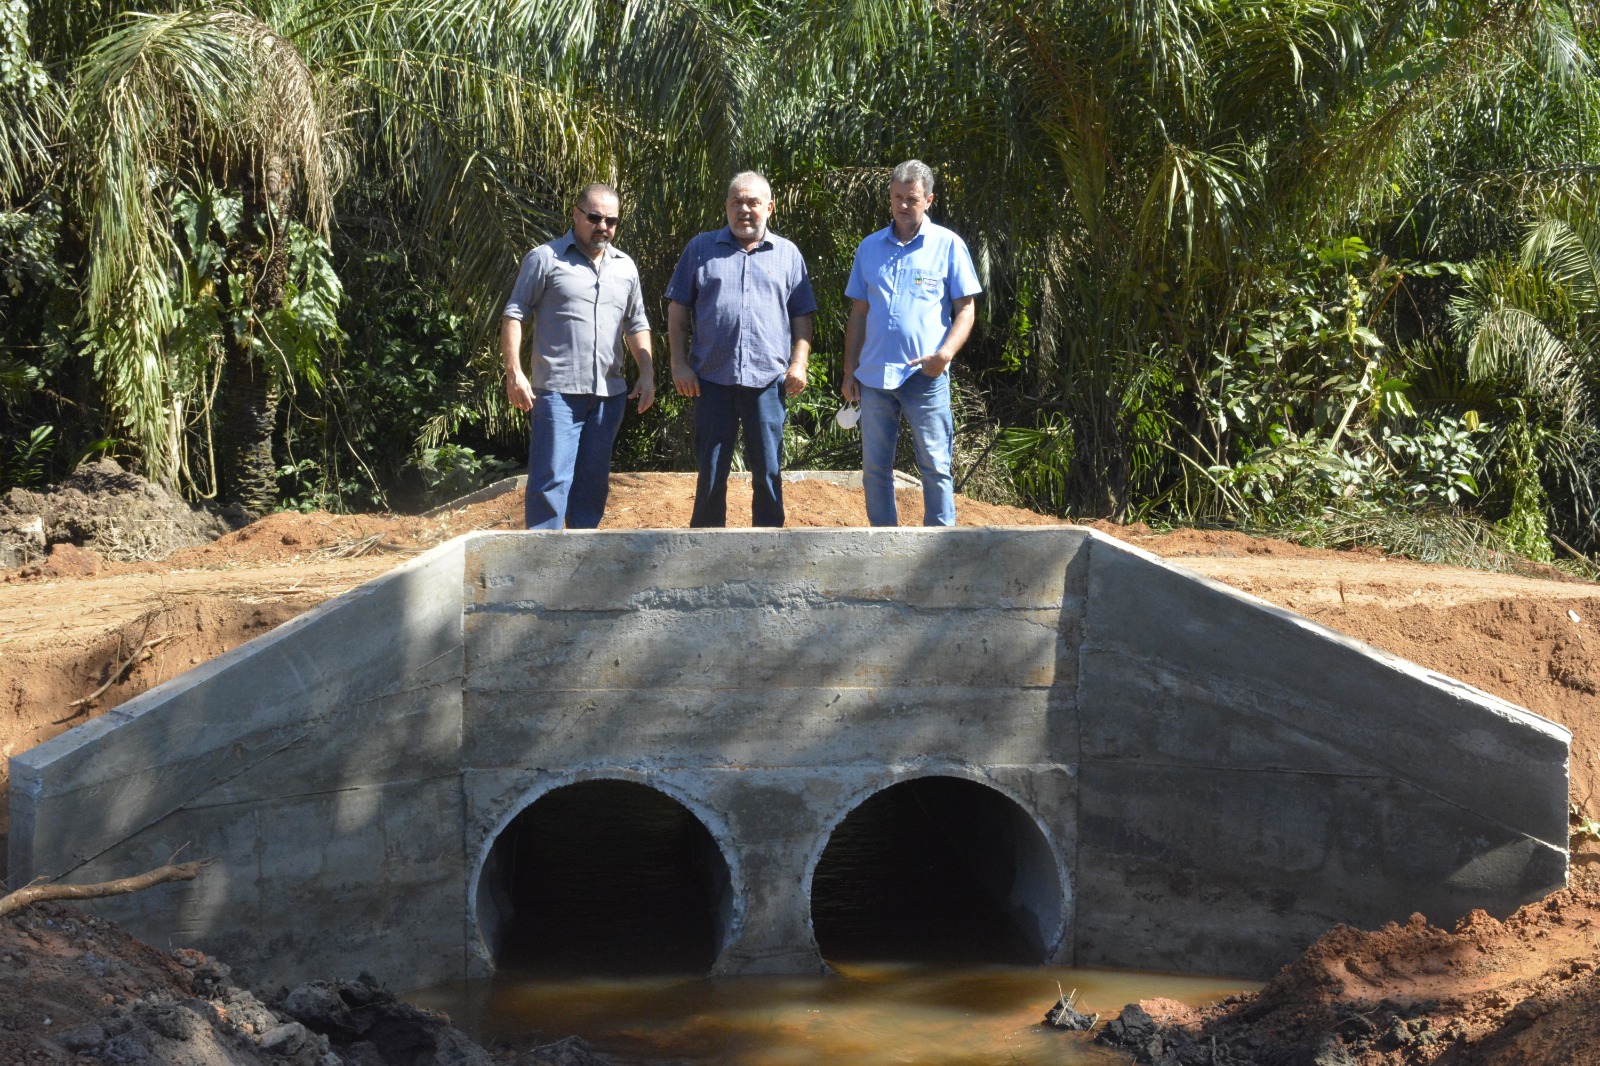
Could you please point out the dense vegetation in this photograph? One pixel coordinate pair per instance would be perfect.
(1329, 267)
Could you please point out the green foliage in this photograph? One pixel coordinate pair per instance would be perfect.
(451, 471)
(1430, 536)
(1526, 526)
(812, 440)
(1218, 242)
(1584, 826)
(26, 464)
(1438, 463)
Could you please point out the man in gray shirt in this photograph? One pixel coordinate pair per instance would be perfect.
(585, 301)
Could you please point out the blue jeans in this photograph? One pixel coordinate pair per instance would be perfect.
(925, 403)
(719, 411)
(569, 458)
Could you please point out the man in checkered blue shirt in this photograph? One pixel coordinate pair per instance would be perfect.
(743, 294)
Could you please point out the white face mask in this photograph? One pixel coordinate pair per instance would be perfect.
(847, 416)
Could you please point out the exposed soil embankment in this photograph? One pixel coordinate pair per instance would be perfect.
(75, 989)
(80, 633)
(1523, 992)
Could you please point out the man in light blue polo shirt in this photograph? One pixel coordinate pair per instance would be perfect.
(912, 290)
(586, 302)
(744, 294)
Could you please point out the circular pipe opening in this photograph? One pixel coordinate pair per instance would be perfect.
(937, 869)
(605, 878)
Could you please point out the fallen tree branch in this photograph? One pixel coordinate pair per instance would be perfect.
(40, 893)
(1574, 552)
(140, 654)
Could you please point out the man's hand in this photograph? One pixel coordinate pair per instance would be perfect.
(684, 379)
(644, 390)
(518, 391)
(935, 364)
(855, 335)
(794, 379)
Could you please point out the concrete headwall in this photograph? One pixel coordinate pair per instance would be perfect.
(1199, 781)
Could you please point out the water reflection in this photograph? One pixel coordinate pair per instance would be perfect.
(868, 1014)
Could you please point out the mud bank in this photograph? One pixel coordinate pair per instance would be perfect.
(76, 989)
(1522, 992)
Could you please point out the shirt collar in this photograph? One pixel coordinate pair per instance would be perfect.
(569, 242)
(725, 236)
(922, 230)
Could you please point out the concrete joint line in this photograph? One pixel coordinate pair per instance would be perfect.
(323, 792)
(1225, 768)
(182, 805)
(452, 681)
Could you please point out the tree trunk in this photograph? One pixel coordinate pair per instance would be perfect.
(247, 475)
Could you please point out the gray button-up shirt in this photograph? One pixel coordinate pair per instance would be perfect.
(581, 311)
(742, 303)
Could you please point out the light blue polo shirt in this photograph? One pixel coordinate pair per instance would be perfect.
(910, 290)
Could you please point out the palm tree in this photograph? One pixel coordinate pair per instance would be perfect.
(1532, 329)
(182, 103)
(447, 109)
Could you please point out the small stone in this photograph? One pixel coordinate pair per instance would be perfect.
(78, 1041)
(172, 1021)
(1064, 1016)
(284, 1039)
(1527, 1010)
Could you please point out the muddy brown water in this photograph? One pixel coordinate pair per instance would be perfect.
(613, 890)
(865, 1014)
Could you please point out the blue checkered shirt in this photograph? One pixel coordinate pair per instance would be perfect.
(740, 305)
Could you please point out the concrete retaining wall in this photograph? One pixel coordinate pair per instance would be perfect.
(1211, 781)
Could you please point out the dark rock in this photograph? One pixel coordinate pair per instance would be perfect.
(1064, 1016)
(320, 1007)
(363, 1053)
(126, 1050)
(285, 1039)
(170, 1020)
(246, 1011)
(82, 1039)
(1135, 1032)
(362, 1012)
(1130, 1027)
(1332, 1052)
(569, 1052)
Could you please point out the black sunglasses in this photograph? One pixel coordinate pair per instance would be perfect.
(595, 218)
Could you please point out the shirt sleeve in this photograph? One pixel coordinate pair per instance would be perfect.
(802, 301)
(856, 287)
(529, 287)
(683, 287)
(635, 320)
(962, 279)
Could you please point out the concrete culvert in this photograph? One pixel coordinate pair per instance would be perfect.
(607, 878)
(938, 869)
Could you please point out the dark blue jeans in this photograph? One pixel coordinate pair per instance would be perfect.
(719, 411)
(569, 458)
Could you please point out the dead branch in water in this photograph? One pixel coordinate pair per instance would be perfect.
(41, 893)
